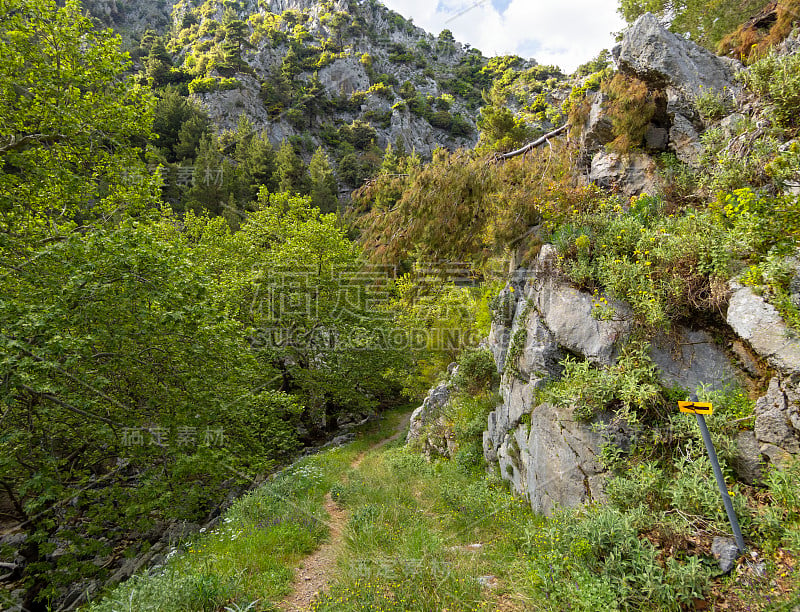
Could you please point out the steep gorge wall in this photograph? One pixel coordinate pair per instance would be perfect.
(550, 456)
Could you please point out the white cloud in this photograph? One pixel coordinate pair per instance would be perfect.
(562, 32)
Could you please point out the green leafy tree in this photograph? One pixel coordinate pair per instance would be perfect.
(317, 320)
(111, 346)
(705, 22)
(69, 121)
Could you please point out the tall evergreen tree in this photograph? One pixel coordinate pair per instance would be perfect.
(290, 170)
(324, 192)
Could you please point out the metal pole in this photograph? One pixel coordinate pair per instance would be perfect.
(723, 489)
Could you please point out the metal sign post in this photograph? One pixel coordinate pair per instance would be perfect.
(700, 409)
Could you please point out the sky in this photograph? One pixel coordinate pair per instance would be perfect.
(566, 33)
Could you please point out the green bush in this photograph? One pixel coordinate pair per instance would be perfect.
(210, 84)
(476, 369)
(442, 120)
(777, 78)
(630, 386)
(596, 560)
(714, 104)
(664, 266)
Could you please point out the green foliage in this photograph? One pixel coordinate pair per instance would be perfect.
(705, 23)
(730, 168)
(211, 84)
(778, 80)
(501, 130)
(644, 257)
(442, 120)
(476, 370)
(70, 119)
(467, 416)
(290, 171)
(179, 124)
(441, 321)
(359, 134)
(324, 191)
(515, 349)
(630, 107)
(460, 208)
(601, 552)
(132, 350)
(598, 64)
(714, 104)
(629, 387)
(772, 279)
(785, 167)
(782, 523)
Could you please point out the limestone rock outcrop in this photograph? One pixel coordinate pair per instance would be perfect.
(428, 430)
(631, 173)
(655, 55)
(550, 457)
(760, 324)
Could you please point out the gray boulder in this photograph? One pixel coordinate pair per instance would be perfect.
(656, 138)
(632, 174)
(657, 56)
(685, 141)
(688, 359)
(747, 460)
(726, 552)
(760, 324)
(344, 75)
(427, 428)
(777, 426)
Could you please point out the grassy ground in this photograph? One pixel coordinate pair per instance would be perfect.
(249, 560)
(440, 536)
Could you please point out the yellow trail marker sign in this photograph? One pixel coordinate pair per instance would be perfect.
(695, 407)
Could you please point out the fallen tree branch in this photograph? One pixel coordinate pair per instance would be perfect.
(532, 145)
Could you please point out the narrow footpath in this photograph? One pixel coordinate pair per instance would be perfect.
(315, 570)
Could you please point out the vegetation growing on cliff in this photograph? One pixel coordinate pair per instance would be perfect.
(181, 310)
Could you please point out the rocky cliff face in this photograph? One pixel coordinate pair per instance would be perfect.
(551, 457)
(380, 61)
(548, 455)
(677, 73)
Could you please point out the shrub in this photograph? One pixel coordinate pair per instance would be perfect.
(630, 106)
(442, 120)
(210, 84)
(597, 561)
(630, 386)
(714, 104)
(476, 369)
(778, 80)
(381, 89)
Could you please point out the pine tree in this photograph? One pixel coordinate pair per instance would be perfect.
(323, 183)
(290, 171)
